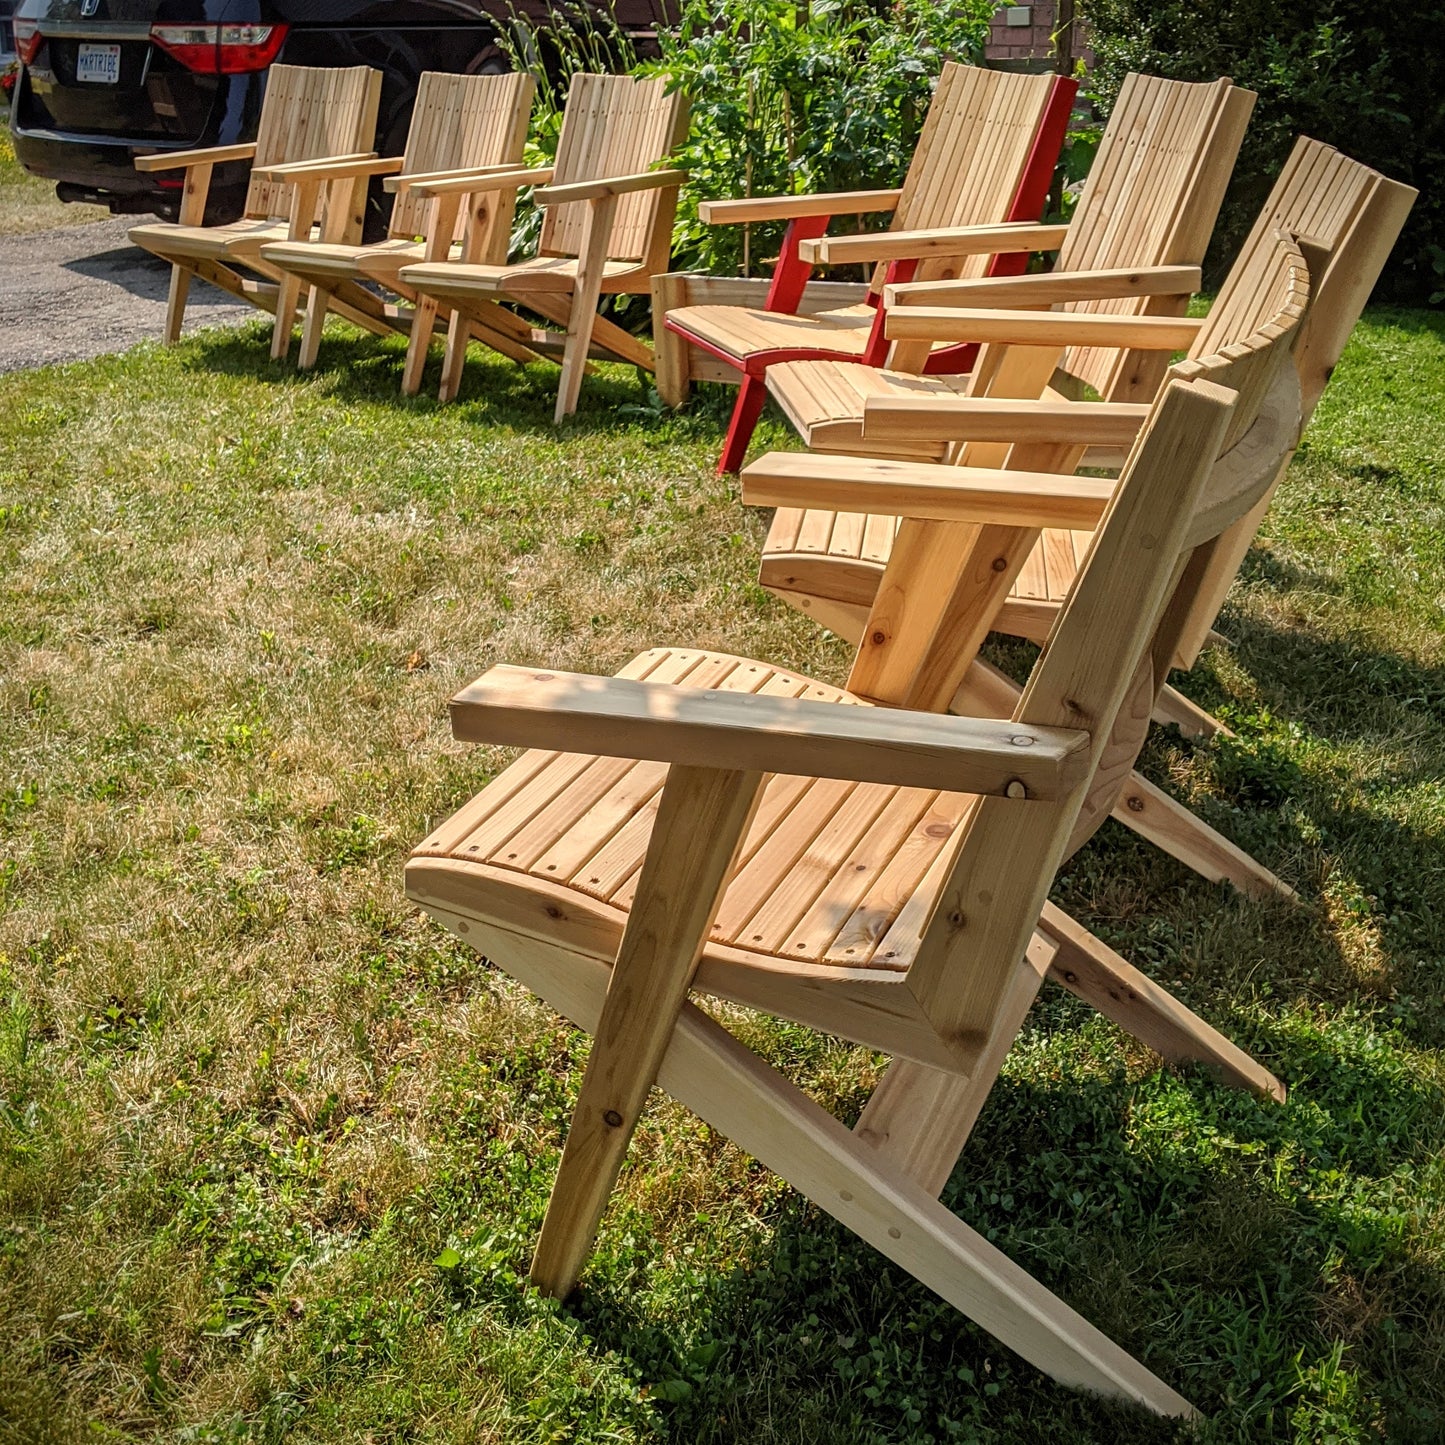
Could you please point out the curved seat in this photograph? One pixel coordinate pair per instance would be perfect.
(825, 401)
(320, 258)
(240, 238)
(834, 876)
(745, 332)
(541, 273)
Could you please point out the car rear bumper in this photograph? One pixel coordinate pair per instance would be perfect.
(101, 170)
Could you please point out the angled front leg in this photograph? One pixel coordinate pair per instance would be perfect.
(710, 1072)
(585, 295)
(1092, 971)
(701, 820)
(288, 293)
(197, 187)
(423, 322)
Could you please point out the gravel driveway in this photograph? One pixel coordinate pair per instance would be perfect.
(83, 291)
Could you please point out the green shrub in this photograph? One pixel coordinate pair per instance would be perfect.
(1342, 71)
(785, 98)
(788, 98)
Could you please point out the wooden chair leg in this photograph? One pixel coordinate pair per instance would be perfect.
(582, 313)
(317, 304)
(670, 365)
(459, 332)
(288, 294)
(423, 324)
(706, 1069)
(701, 820)
(574, 358)
(1169, 825)
(920, 1118)
(1171, 706)
(1092, 970)
(746, 410)
(176, 303)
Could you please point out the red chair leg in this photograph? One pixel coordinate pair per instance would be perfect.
(746, 411)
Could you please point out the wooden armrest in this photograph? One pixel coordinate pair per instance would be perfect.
(210, 156)
(948, 241)
(621, 718)
(985, 419)
(1048, 288)
(612, 186)
(1041, 328)
(787, 208)
(463, 182)
(362, 163)
(928, 491)
(422, 178)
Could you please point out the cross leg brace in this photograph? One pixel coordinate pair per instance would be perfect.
(724, 1083)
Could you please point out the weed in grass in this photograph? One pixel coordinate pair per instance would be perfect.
(273, 1150)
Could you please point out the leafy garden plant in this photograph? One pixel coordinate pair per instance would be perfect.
(785, 97)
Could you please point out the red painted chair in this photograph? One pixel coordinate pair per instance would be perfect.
(985, 158)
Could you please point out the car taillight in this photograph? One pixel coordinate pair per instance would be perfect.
(221, 49)
(28, 39)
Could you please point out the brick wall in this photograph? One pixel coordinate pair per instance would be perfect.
(1024, 35)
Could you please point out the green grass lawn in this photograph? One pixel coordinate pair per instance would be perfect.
(273, 1148)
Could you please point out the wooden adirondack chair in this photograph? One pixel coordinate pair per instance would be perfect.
(1133, 248)
(875, 872)
(460, 124)
(307, 114)
(986, 156)
(830, 564)
(607, 231)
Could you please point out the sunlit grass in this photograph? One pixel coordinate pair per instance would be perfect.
(273, 1149)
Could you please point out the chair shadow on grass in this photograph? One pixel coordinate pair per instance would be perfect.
(359, 367)
(1180, 1239)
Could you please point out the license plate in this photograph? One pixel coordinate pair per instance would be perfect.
(98, 64)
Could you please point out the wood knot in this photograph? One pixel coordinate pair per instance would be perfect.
(543, 676)
(1135, 803)
(1000, 564)
(958, 918)
(612, 1119)
(878, 639)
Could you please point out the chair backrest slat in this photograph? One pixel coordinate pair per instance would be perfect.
(971, 155)
(1151, 199)
(1206, 456)
(1347, 218)
(308, 113)
(614, 125)
(460, 122)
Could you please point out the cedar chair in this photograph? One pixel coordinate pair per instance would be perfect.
(607, 231)
(986, 156)
(830, 564)
(878, 872)
(1132, 248)
(460, 124)
(308, 113)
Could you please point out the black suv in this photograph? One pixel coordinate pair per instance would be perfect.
(103, 81)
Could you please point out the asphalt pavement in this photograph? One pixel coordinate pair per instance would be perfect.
(83, 291)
